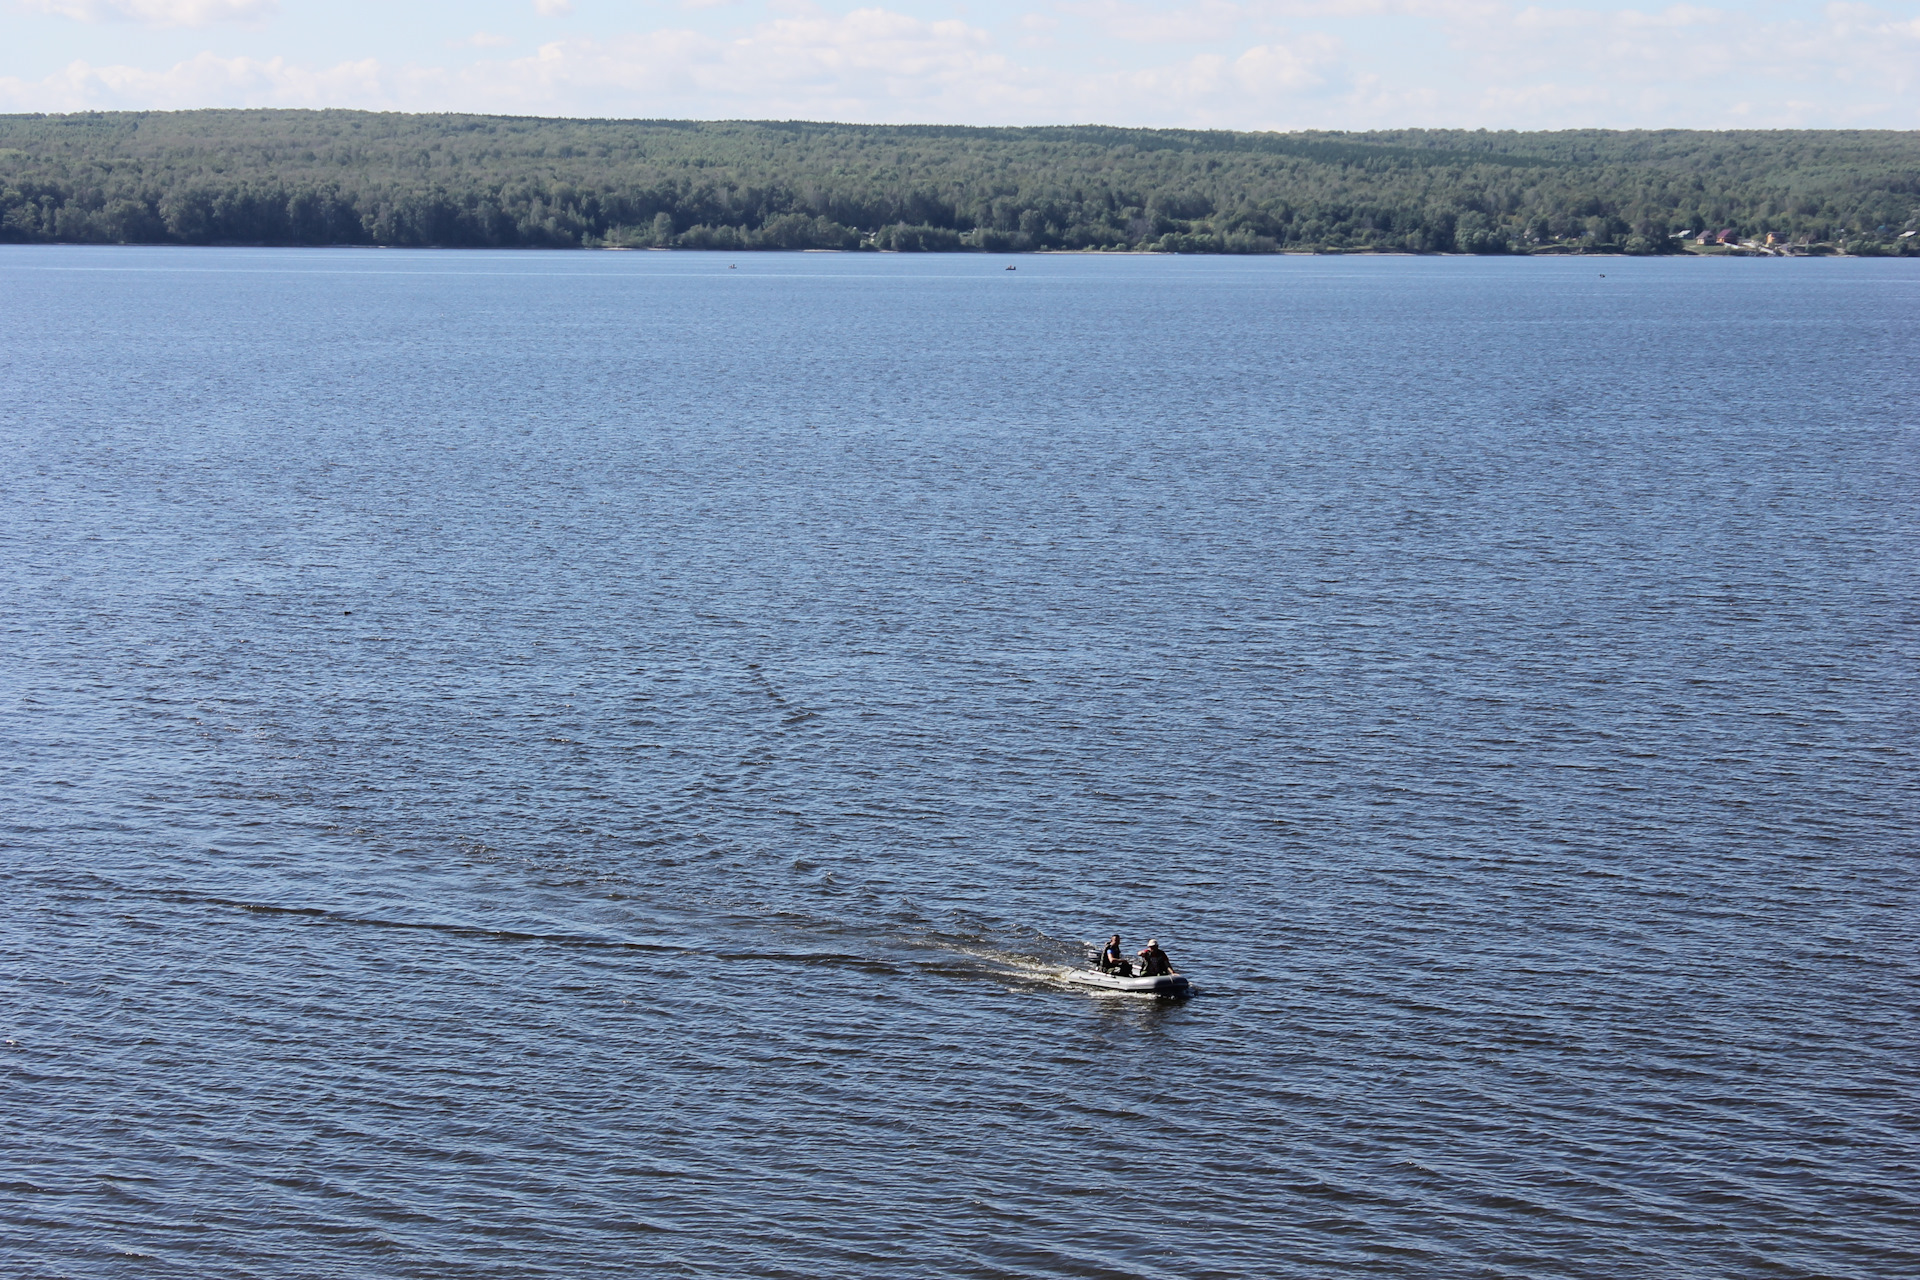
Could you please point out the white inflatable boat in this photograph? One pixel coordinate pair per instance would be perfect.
(1167, 984)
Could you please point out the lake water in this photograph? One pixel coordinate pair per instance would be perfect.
(564, 765)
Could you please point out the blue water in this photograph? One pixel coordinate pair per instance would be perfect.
(540, 765)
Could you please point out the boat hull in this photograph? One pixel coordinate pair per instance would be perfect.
(1169, 984)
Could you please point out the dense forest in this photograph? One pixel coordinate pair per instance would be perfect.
(351, 177)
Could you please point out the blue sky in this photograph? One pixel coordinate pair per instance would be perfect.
(1243, 64)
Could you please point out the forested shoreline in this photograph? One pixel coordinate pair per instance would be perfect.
(273, 177)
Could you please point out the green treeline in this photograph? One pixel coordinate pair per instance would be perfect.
(351, 177)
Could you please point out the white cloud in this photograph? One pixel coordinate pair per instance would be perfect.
(1515, 65)
(1443, 11)
(480, 40)
(868, 64)
(1201, 23)
(877, 65)
(204, 81)
(553, 8)
(1689, 65)
(1307, 63)
(871, 63)
(157, 13)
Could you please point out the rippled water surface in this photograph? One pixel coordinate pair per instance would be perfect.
(581, 765)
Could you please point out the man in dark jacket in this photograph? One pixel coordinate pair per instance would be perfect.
(1153, 961)
(1111, 961)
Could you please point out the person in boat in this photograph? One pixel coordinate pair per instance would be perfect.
(1154, 962)
(1111, 961)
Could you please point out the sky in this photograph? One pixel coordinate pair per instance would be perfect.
(1238, 64)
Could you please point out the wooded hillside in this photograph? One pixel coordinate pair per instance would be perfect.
(350, 177)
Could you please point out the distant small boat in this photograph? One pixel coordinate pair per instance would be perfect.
(1167, 984)
(1011, 267)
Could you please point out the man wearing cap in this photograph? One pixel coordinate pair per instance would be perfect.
(1153, 961)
